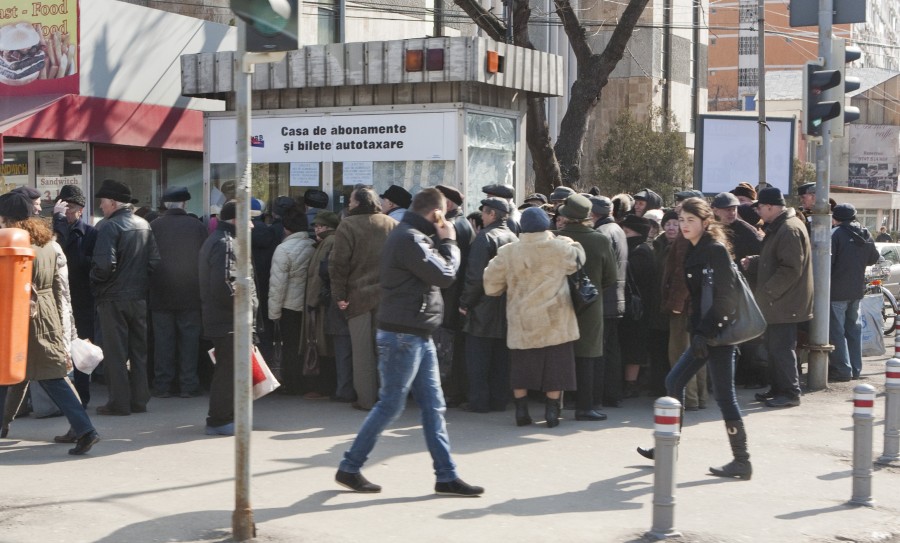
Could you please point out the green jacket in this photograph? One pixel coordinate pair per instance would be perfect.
(46, 345)
(601, 266)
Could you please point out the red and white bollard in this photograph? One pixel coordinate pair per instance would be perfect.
(667, 431)
(891, 452)
(863, 417)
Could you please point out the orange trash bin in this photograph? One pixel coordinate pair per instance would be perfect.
(16, 260)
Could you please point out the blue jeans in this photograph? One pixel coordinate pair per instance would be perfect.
(845, 332)
(406, 362)
(720, 368)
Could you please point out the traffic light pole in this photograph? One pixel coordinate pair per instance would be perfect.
(819, 347)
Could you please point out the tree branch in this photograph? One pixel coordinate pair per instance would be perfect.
(486, 20)
(615, 49)
(575, 32)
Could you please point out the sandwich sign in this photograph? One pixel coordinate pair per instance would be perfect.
(38, 47)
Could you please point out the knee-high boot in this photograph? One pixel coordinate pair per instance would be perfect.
(522, 416)
(551, 412)
(740, 467)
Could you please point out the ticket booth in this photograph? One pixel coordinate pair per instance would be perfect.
(415, 113)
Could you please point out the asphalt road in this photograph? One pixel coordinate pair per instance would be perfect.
(156, 477)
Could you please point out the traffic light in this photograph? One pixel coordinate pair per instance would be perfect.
(842, 54)
(272, 25)
(816, 110)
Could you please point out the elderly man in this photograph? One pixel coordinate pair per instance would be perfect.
(175, 297)
(508, 193)
(745, 239)
(353, 268)
(124, 258)
(395, 201)
(784, 292)
(807, 194)
(644, 201)
(77, 239)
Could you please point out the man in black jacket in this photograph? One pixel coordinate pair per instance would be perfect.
(413, 269)
(852, 249)
(175, 297)
(124, 258)
(487, 356)
(745, 240)
(77, 239)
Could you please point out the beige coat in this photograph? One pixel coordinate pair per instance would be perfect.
(533, 274)
(287, 280)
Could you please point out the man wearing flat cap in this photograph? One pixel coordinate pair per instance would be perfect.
(125, 257)
(852, 249)
(449, 338)
(487, 356)
(644, 201)
(395, 201)
(508, 193)
(77, 239)
(175, 298)
(784, 292)
(600, 265)
(745, 240)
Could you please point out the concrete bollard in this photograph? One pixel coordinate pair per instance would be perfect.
(863, 417)
(667, 429)
(891, 451)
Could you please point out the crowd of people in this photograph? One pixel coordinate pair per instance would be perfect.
(403, 293)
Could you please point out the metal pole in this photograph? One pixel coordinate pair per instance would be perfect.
(891, 452)
(242, 524)
(667, 424)
(896, 338)
(761, 94)
(863, 416)
(819, 348)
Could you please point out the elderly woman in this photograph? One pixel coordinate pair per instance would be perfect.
(47, 357)
(541, 323)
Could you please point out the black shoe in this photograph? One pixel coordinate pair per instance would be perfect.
(591, 414)
(522, 416)
(551, 412)
(68, 437)
(356, 482)
(138, 408)
(646, 453)
(783, 401)
(161, 394)
(838, 378)
(191, 394)
(458, 487)
(107, 410)
(4, 431)
(764, 396)
(85, 443)
(735, 469)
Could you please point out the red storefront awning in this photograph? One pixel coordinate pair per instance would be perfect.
(98, 120)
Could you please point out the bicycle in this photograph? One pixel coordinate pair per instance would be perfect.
(890, 312)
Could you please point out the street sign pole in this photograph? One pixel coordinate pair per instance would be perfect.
(819, 347)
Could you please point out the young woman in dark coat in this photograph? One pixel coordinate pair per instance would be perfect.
(709, 251)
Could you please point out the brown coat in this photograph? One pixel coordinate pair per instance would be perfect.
(356, 258)
(46, 345)
(533, 274)
(675, 295)
(784, 282)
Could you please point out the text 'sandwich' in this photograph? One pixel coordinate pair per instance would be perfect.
(21, 55)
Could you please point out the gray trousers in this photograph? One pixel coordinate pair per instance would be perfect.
(123, 324)
(365, 360)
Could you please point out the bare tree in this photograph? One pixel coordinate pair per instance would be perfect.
(560, 164)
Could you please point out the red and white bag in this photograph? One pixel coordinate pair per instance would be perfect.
(263, 380)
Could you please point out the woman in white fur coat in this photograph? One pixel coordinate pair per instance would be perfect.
(541, 323)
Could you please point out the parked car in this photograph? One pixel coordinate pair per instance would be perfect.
(890, 261)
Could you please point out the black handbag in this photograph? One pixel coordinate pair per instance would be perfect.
(634, 304)
(747, 321)
(584, 292)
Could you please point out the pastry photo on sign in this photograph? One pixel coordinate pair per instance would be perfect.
(26, 54)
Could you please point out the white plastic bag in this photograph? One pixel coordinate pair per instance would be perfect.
(85, 355)
(264, 381)
(872, 324)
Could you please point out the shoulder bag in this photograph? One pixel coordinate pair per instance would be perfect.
(584, 292)
(747, 321)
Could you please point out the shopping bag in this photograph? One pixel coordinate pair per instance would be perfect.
(262, 379)
(85, 355)
(872, 325)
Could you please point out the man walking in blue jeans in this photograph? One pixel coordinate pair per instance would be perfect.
(413, 270)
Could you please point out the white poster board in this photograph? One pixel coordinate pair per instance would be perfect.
(874, 156)
(304, 174)
(728, 153)
(358, 173)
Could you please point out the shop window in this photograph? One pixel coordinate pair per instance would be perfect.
(54, 169)
(268, 181)
(868, 218)
(137, 168)
(491, 145)
(187, 172)
(412, 175)
(14, 172)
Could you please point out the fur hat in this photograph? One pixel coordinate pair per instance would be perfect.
(744, 189)
(72, 194)
(315, 198)
(114, 190)
(228, 211)
(398, 195)
(637, 224)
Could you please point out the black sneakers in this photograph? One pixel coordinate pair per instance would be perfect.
(458, 487)
(355, 482)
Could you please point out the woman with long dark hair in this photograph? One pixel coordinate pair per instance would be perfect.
(709, 253)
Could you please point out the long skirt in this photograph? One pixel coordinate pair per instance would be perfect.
(545, 369)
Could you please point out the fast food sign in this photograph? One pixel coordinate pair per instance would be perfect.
(38, 47)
